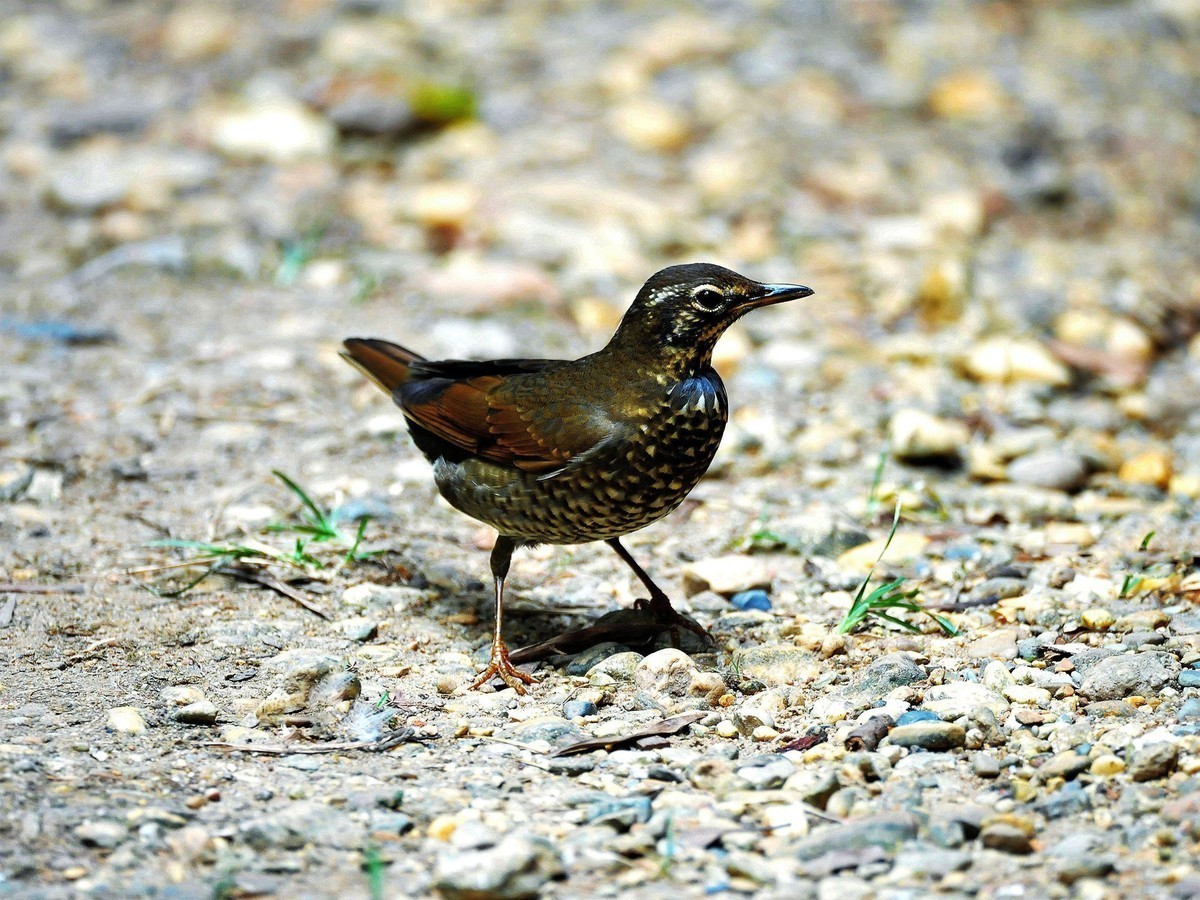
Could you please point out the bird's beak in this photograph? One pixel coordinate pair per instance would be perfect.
(778, 293)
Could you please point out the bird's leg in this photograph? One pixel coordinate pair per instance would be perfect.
(659, 604)
(499, 663)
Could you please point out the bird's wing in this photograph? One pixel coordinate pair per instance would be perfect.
(503, 418)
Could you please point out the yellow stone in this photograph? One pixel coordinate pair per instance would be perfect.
(1074, 534)
(650, 124)
(1023, 791)
(1107, 765)
(1007, 359)
(967, 94)
(442, 827)
(1185, 486)
(1152, 467)
(444, 204)
(904, 545)
(1097, 619)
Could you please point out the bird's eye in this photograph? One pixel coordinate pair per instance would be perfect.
(707, 299)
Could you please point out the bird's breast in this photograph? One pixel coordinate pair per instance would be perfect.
(670, 438)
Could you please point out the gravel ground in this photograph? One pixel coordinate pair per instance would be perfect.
(998, 205)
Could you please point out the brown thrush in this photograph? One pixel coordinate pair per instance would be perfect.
(571, 451)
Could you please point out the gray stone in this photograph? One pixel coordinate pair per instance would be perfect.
(1154, 761)
(551, 729)
(1190, 709)
(936, 736)
(1122, 676)
(112, 115)
(1080, 856)
(929, 862)
(515, 869)
(1056, 469)
(985, 765)
(619, 666)
(1064, 765)
(1006, 838)
(1070, 800)
(101, 833)
(766, 772)
(372, 114)
(776, 664)
(887, 830)
(202, 712)
(358, 628)
(581, 663)
(1136, 639)
(885, 675)
(999, 588)
(574, 709)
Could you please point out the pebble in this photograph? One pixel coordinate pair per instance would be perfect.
(581, 663)
(667, 671)
(727, 575)
(776, 664)
(1008, 359)
(619, 666)
(985, 765)
(884, 830)
(1150, 467)
(1097, 619)
(903, 545)
(1153, 761)
(515, 869)
(1064, 765)
(1080, 856)
(766, 771)
(126, 720)
(1189, 710)
(1007, 837)
(935, 736)
(884, 675)
(278, 130)
(202, 712)
(1055, 469)
(1117, 677)
(101, 833)
(1107, 765)
(918, 436)
(650, 124)
(756, 599)
(574, 709)
(956, 699)
(358, 628)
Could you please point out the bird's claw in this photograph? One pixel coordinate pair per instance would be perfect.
(668, 619)
(500, 665)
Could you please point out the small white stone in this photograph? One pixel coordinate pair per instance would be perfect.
(126, 719)
(1007, 359)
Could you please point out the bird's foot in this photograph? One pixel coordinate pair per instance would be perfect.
(668, 619)
(500, 665)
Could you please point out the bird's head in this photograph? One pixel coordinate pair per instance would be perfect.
(681, 311)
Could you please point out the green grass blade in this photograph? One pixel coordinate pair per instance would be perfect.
(318, 518)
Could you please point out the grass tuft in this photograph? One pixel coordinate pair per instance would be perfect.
(885, 598)
(317, 546)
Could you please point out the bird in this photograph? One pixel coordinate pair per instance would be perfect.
(551, 451)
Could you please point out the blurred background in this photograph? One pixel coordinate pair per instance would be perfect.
(998, 204)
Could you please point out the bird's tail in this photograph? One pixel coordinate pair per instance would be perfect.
(383, 362)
